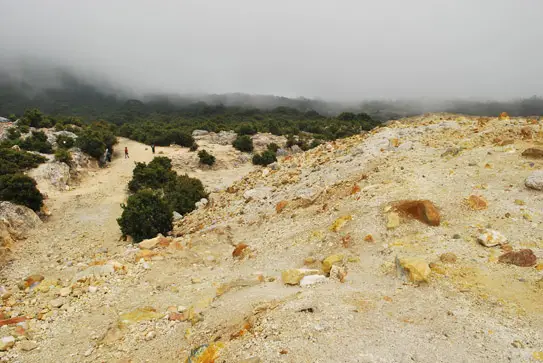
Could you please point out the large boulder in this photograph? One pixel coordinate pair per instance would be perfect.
(535, 180)
(16, 221)
(50, 176)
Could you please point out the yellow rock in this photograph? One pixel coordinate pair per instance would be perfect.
(330, 261)
(140, 314)
(519, 202)
(340, 223)
(539, 267)
(438, 269)
(393, 220)
(295, 275)
(417, 269)
(538, 356)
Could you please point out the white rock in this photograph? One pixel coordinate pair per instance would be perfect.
(7, 342)
(57, 303)
(65, 291)
(150, 336)
(491, 238)
(535, 180)
(88, 352)
(93, 289)
(177, 216)
(27, 345)
(151, 243)
(95, 271)
(312, 280)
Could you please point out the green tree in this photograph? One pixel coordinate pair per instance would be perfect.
(145, 215)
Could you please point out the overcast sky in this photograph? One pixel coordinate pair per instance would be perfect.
(333, 49)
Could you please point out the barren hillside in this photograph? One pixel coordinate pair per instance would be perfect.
(318, 259)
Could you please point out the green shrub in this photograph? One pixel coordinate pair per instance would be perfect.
(24, 129)
(65, 142)
(267, 157)
(291, 141)
(246, 129)
(13, 161)
(183, 192)
(206, 158)
(13, 133)
(273, 147)
(20, 189)
(63, 156)
(95, 139)
(193, 147)
(37, 142)
(243, 143)
(145, 215)
(154, 175)
(314, 144)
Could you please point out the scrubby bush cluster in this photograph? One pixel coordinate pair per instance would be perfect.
(243, 143)
(14, 185)
(37, 142)
(63, 156)
(96, 138)
(265, 158)
(206, 158)
(158, 191)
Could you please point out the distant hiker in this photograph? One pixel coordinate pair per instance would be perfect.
(108, 155)
(126, 153)
(153, 148)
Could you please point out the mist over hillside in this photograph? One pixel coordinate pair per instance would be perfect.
(61, 91)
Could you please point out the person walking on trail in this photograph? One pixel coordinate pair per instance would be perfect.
(126, 153)
(108, 155)
(153, 148)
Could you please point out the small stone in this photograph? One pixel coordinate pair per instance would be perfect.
(448, 257)
(65, 291)
(476, 202)
(417, 269)
(522, 258)
(27, 345)
(280, 206)
(93, 289)
(393, 220)
(338, 273)
(422, 210)
(6, 343)
(491, 238)
(312, 280)
(150, 336)
(535, 180)
(57, 303)
(309, 260)
(437, 268)
(294, 276)
(517, 344)
(240, 251)
(456, 236)
(330, 261)
(251, 360)
(88, 352)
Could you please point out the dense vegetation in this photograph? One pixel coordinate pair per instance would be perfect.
(165, 191)
(20, 189)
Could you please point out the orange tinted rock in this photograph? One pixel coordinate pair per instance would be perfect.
(448, 257)
(522, 258)
(369, 238)
(356, 189)
(476, 202)
(239, 251)
(504, 116)
(280, 206)
(33, 280)
(176, 317)
(422, 210)
(526, 132)
(145, 254)
(11, 321)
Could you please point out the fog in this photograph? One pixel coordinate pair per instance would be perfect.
(337, 50)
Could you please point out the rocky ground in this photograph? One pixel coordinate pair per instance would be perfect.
(318, 258)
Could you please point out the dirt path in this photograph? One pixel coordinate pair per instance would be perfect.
(83, 219)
